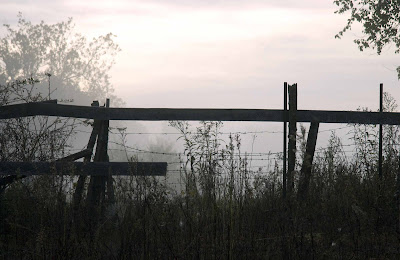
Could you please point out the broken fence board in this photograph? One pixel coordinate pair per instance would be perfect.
(305, 173)
(81, 168)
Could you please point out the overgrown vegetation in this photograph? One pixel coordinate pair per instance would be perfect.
(223, 210)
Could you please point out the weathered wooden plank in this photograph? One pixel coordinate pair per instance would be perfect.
(193, 114)
(81, 168)
(356, 117)
(152, 114)
(10, 179)
(305, 173)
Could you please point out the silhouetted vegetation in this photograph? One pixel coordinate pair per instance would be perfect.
(223, 210)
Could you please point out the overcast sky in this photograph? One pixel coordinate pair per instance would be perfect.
(186, 53)
(226, 54)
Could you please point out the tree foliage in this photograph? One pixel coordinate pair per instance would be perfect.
(78, 67)
(380, 20)
(30, 56)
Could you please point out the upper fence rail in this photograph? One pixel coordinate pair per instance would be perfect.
(195, 114)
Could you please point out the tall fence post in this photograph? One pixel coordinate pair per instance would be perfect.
(285, 119)
(292, 137)
(380, 129)
(110, 185)
(97, 185)
(398, 195)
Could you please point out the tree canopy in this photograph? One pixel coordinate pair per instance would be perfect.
(380, 20)
(31, 57)
(77, 67)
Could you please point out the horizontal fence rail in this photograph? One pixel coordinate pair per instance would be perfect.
(192, 114)
(81, 168)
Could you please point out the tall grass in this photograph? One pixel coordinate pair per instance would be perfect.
(222, 211)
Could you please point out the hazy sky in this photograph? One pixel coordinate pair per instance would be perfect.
(227, 54)
(186, 53)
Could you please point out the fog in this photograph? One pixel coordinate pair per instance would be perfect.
(192, 55)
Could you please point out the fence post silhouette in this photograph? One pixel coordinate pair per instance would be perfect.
(284, 139)
(292, 137)
(305, 173)
(97, 184)
(398, 195)
(380, 129)
(82, 178)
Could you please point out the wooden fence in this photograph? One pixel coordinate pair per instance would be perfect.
(291, 116)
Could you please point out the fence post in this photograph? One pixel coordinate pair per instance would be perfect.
(398, 195)
(82, 178)
(285, 119)
(96, 190)
(110, 186)
(292, 137)
(380, 129)
(305, 173)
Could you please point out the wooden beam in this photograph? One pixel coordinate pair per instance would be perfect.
(10, 179)
(348, 117)
(81, 168)
(193, 114)
(305, 173)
